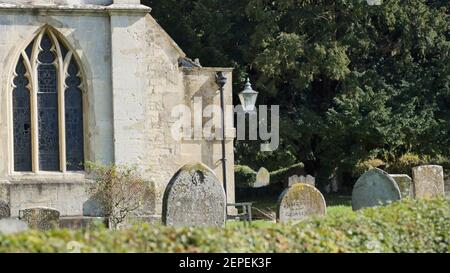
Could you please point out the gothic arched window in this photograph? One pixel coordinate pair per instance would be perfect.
(47, 107)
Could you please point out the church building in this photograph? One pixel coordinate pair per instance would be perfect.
(95, 81)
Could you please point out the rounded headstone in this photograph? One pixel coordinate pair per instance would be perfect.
(404, 183)
(194, 197)
(374, 188)
(41, 218)
(5, 211)
(262, 178)
(299, 202)
(428, 181)
(11, 226)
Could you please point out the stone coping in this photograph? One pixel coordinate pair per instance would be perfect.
(208, 69)
(84, 8)
(48, 178)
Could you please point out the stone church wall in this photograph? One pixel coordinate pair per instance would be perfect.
(133, 81)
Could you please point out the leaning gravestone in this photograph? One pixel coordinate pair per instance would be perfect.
(5, 211)
(40, 218)
(300, 202)
(428, 181)
(404, 183)
(374, 188)
(262, 178)
(194, 197)
(11, 226)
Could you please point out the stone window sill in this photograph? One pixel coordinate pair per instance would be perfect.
(48, 177)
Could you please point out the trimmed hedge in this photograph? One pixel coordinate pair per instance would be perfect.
(407, 226)
(244, 176)
(282, 176)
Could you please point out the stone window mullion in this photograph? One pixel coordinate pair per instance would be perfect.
(60, 66)
(34, 101)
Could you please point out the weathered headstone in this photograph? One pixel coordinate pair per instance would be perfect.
(262, 178)
(404, 183)
(11, 226)
(295, 179)
(194, 197)
(41, 218)
(310, 180)
(428, 181)
(300, 202)
(374, 188)
(5, 211)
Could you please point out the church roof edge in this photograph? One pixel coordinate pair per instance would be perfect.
(85, 8)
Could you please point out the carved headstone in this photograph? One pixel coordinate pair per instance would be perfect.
(11, 226)
(295, 179)
(300, 202)
(310, 180)
(40, 218)
(5, 211)
(428, 181)
(262, 178)
(374, 188)
(404, 183)
(194, 197)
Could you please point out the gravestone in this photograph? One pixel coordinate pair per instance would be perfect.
(374, 188)
(300, 202)
(310, 180)
(404, 183)
(11, 226)
(5, 211)
(41, 218)
(262, 178)
(194, 197)
(428, 181)
(295, 179)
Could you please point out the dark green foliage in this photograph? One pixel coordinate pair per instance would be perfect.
(353, 81)
(244, 176)
(408, 226)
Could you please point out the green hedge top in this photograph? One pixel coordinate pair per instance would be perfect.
(246, 176)
(407, 226)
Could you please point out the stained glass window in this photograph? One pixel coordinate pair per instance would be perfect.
(22, 120)
(74, 119)
(48, 108)
(54, 72)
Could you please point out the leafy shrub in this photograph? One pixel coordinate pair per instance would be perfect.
(244, 176)
(407, 226)
(363, 166)
(118, 189)
(282, 175)
(405, 163)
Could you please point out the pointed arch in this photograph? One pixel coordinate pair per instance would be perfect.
(48, 131)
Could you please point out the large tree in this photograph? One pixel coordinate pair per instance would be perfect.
(353, 81)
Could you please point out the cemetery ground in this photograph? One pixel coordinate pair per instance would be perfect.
(404, 226)
(265, 206)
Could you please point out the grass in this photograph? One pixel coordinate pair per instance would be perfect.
(337, 205)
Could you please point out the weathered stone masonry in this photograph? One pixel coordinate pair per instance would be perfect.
(132, 81)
